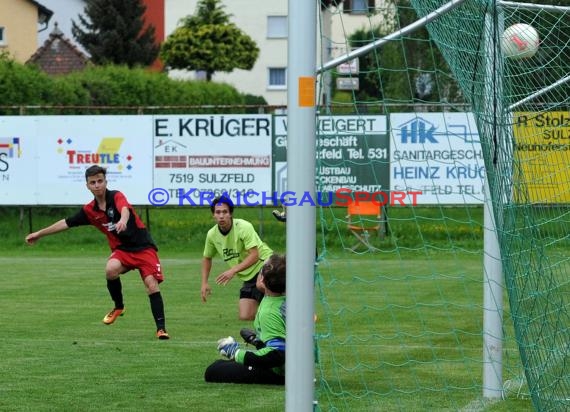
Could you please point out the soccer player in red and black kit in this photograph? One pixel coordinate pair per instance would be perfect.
(131, 244)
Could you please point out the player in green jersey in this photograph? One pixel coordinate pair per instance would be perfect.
(239, 245)
(265, 364)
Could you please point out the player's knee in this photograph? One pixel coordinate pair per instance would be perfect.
(247, 308)
(216, 372)
(151, 290)
(113, 270)
(246, 316)
(151, 285)
(111, 274)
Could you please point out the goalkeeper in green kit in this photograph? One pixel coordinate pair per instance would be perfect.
(265, 363)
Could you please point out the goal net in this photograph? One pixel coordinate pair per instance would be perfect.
(475, 97)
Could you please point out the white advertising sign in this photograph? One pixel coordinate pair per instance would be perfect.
(197, 157)
(349, 67)
(18, 166)
(439, 155)
(54, 152)
(188, 159)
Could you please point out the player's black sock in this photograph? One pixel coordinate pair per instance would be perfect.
(157, 308)
(116, 291)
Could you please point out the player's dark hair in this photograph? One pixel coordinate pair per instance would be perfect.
(275, 273)
(95, 170)
(223, 199)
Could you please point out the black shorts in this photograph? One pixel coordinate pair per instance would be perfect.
(249, 290)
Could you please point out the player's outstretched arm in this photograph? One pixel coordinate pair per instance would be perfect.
(250, 260)
(57, 227)
(121, 225)
(205, 290)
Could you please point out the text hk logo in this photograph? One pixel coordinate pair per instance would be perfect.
(417, 131)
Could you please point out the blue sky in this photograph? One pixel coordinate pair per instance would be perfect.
(63, 12)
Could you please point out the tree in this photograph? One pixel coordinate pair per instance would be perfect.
(409, 69)
(209, 42)
(115, 33)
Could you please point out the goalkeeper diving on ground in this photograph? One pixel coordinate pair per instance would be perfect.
(264, 363)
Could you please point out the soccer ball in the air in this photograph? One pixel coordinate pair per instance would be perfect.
(520, 41)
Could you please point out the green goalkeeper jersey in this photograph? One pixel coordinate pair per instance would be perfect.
(233, 246)
(269, 326)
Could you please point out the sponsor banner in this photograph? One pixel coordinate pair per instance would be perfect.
(211, 154)
(190, 157)
(353, 154)
(56, 150)
(18, 166)
(542, 149)
(439, 155)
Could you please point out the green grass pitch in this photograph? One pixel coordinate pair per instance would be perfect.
(57, 355)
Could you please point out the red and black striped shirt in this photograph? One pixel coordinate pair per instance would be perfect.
(134, 237)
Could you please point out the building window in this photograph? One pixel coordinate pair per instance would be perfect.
(2, 36)
(358, 6)
(277, 27)
(277, 78)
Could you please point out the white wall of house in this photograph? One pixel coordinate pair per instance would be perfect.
(251, 16)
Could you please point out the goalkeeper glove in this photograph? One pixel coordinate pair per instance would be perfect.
(280, 216)
(228, 347)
